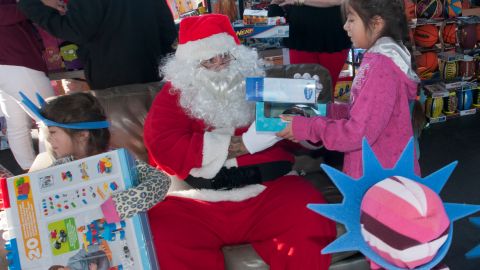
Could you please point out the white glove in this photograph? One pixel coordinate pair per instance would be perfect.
(256, 142)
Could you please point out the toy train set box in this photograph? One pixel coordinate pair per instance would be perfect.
(55, 221)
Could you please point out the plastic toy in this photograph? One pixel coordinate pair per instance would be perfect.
(349, 211)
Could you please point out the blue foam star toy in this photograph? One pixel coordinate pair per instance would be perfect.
(348, 212)
(36, 111)
(475, 252)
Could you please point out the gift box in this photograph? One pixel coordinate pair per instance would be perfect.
(275, 96)
(281, 90)
(267, 114)
(261, 31)
(54, 217)
(253, 16)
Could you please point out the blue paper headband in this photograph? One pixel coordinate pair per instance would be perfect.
(36, 111)
(348, 212)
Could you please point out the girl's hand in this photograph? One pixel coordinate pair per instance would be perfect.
(287, 132)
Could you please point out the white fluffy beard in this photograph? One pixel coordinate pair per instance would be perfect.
(216, 97)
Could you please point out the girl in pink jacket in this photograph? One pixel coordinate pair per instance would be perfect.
(381, 92)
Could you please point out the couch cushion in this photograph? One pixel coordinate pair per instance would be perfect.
(126, 108)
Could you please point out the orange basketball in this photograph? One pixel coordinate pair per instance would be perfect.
(427, 62)
(449, 34)
(426, 35)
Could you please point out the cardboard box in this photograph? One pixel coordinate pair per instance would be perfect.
(55, 218)
(253, 16)
(267, 114)
(261, 31)
(281, 90)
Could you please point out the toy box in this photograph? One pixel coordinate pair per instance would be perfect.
(281, 90)
(54, 217)
(275, 96)
(252, 16)
(3, 134)
(267, 114)
(261, 31)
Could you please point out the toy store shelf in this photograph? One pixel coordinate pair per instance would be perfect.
(261, 31)
(443, 118)
(67, 75)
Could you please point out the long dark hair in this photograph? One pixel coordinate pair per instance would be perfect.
(80, 107)
(396, 27)
(391, 11)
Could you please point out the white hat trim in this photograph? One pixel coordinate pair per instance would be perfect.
(206, 48)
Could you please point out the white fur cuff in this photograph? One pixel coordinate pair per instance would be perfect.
(215, 151)
(206, 48)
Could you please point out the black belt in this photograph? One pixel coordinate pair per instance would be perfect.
(228, 178)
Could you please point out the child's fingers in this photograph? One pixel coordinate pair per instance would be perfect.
(286, 118)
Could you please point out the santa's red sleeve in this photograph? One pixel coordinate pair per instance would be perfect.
(176, 143)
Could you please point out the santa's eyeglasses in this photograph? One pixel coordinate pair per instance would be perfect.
(218, 60)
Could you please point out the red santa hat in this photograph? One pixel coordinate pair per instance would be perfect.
(203, 37)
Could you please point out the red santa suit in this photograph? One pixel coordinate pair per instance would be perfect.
(191, 226)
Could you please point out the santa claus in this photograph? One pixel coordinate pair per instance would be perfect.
(238, 186)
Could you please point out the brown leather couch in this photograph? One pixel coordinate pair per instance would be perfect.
(127, 107)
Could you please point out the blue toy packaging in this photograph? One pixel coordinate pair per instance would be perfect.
(54, 217)
(275, 96)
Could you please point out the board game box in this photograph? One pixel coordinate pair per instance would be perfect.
(54, 217)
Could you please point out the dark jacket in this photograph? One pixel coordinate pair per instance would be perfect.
(120, 41)
(19, 44)
(313, 29)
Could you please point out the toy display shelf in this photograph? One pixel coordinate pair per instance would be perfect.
(441, 90)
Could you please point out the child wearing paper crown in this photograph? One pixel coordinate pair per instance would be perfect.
(64, 116)
(381, 91)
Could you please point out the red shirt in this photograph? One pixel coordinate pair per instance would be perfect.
(18, 44)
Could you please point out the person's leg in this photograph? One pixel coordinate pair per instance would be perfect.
(333, 62)
(284, 232)
(18, 122)
(187, 234)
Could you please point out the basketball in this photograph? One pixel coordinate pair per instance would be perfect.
(449, 34)
(453, 8)
(468, 36)
(410, 10)
(429, 9)
(426, 35)
(427, 62)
